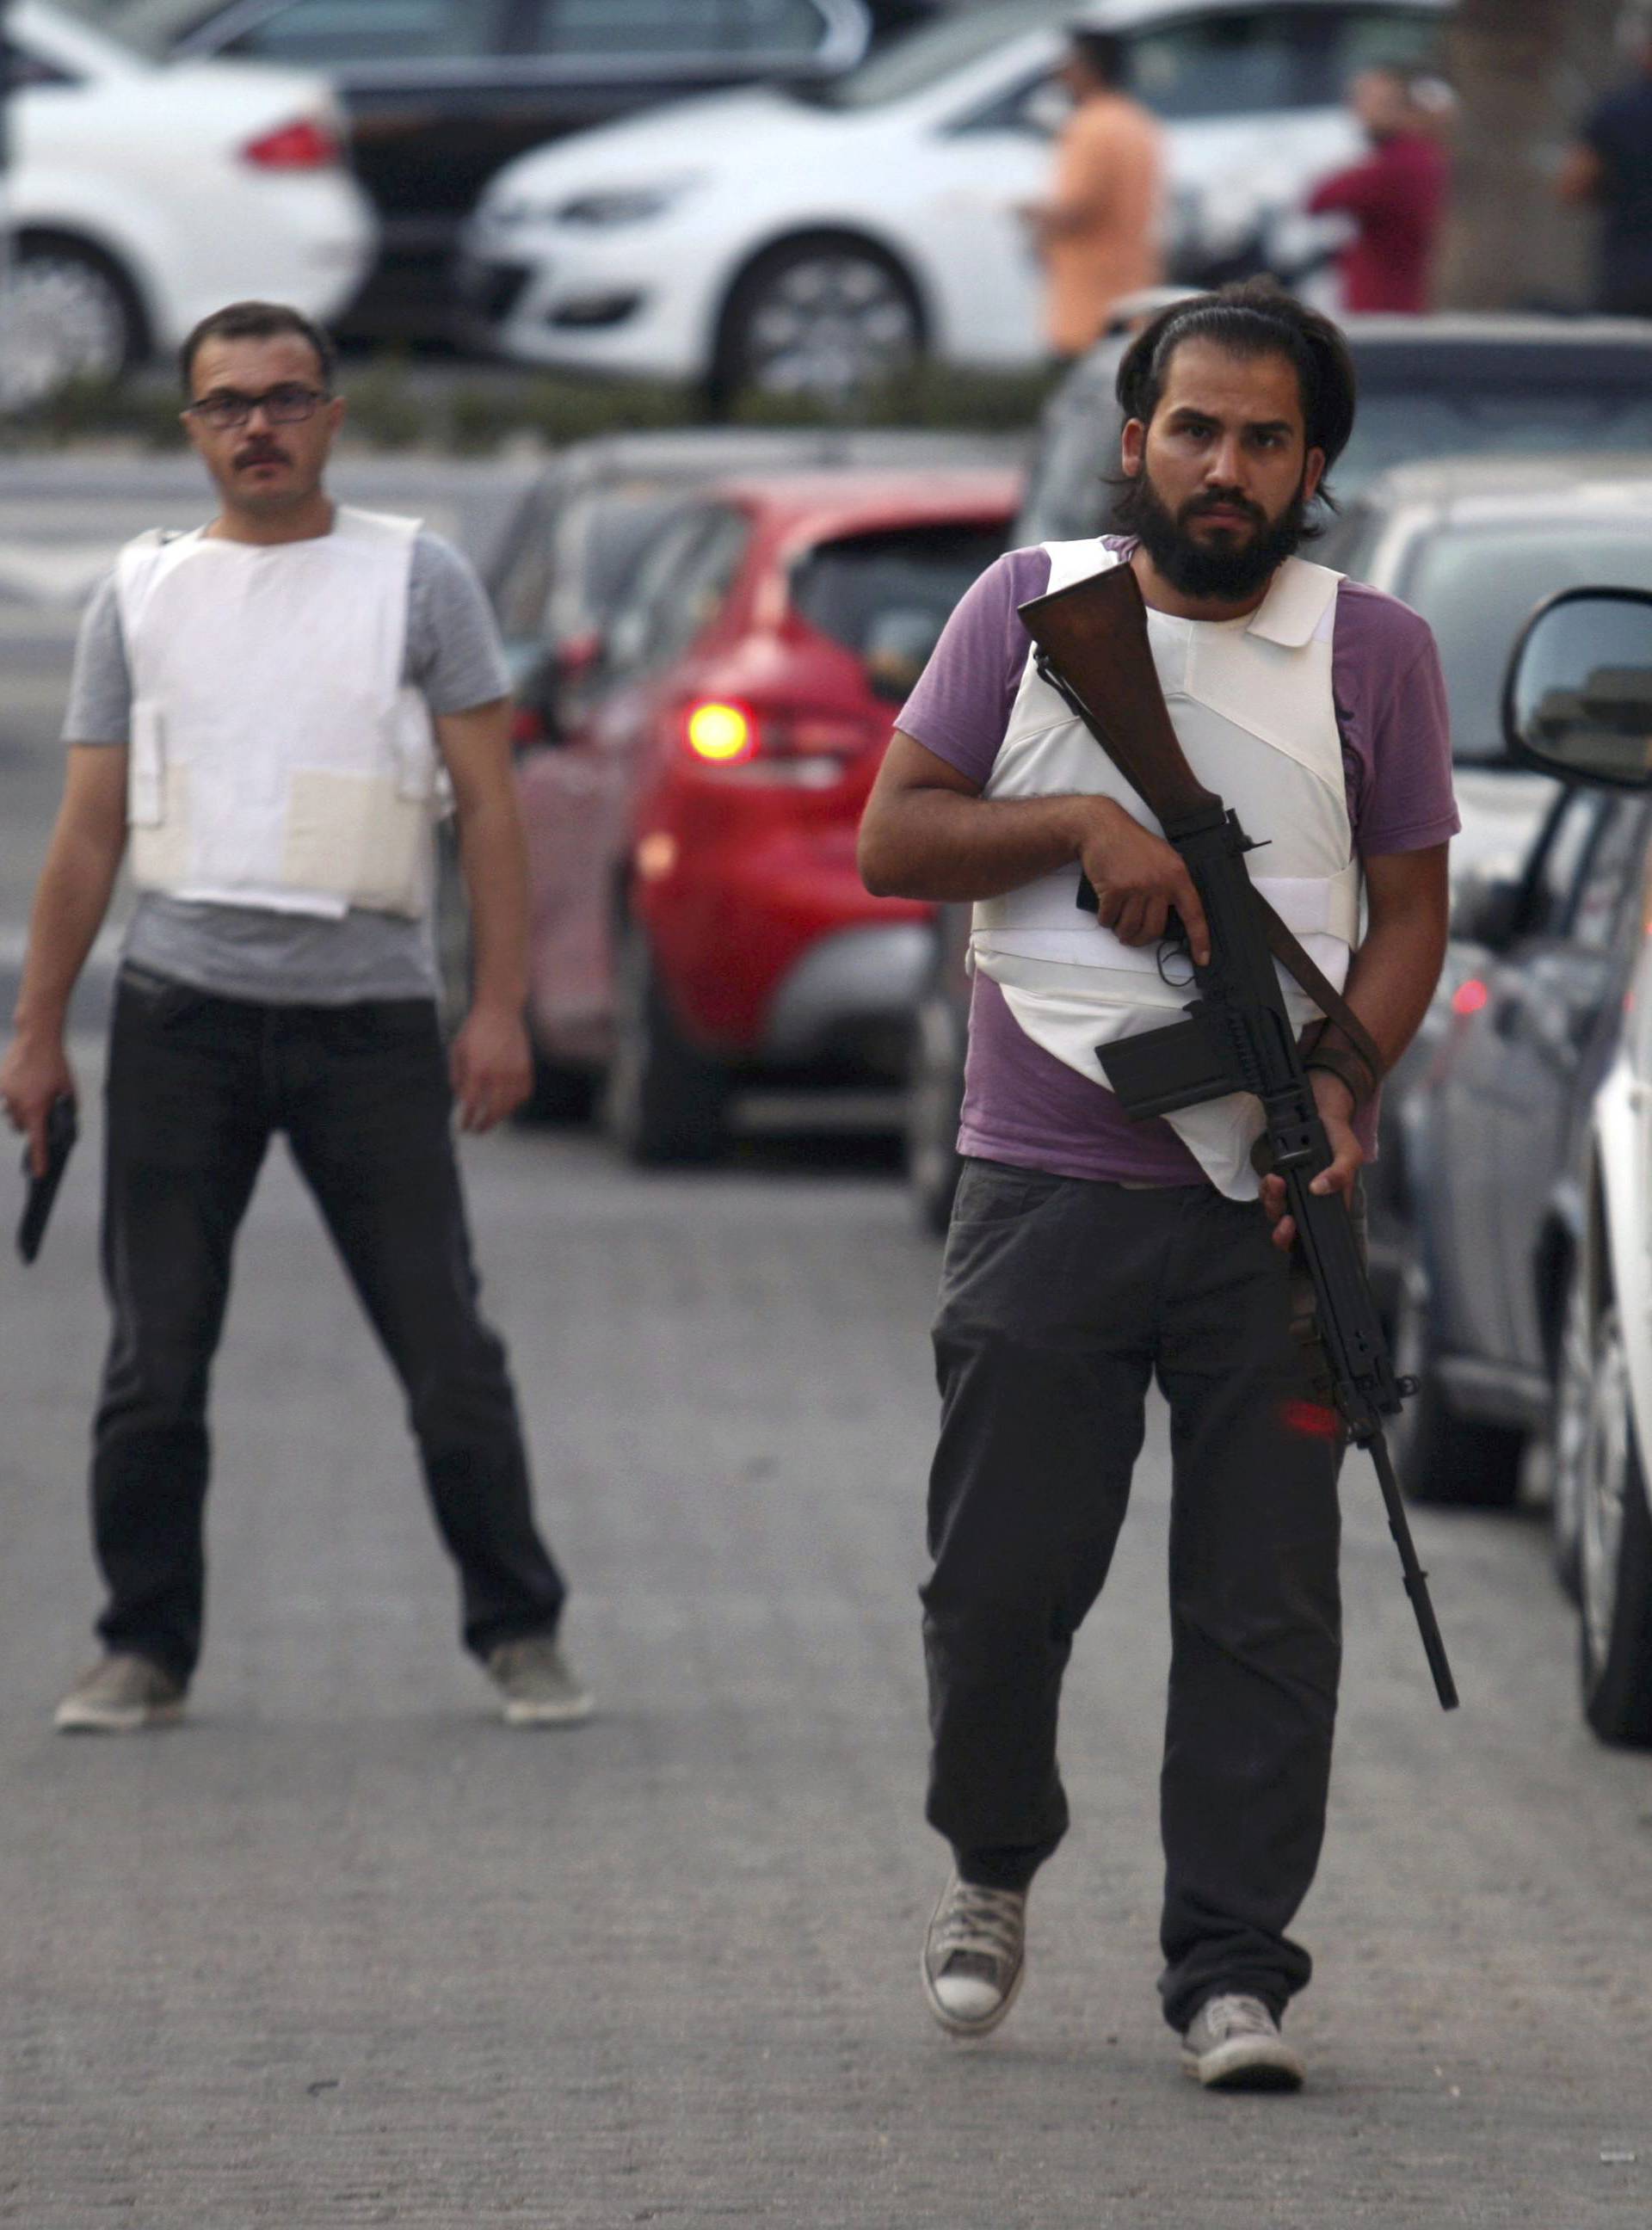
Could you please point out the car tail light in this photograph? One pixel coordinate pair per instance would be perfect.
(807, 750)
(527, 727)
(719, 734)
(306, 144)
(1469, 996)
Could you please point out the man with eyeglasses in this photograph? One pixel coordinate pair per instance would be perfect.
(267, 716)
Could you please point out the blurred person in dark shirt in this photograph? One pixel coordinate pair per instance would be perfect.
(1609, 168)
(1396, 196)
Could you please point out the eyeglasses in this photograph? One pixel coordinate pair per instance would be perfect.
(283, 406)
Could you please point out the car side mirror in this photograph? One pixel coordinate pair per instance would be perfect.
(1487, 910)
(1577, 701)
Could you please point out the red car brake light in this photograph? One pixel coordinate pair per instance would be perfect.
(719, 734)
(306, 144)
(809, 749)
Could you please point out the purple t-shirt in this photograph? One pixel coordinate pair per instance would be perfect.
(1022, 1106)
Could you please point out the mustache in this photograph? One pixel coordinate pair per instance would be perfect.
(260, 453)
(1201, 505)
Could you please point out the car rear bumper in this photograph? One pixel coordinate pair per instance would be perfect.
(848, 993)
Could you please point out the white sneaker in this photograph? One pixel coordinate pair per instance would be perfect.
(536, 1684)
(119, 1695)
(974, 1955)
(1233, 2043)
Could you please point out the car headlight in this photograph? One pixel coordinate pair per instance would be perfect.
(599, 208)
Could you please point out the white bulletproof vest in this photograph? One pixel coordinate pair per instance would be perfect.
(276, 759)
(1251, 703)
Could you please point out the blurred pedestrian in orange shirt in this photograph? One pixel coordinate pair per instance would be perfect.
(1099, 233)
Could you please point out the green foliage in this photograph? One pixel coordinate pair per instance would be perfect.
(936, 397)
(385, 412)
(145, 411)
(399, 405)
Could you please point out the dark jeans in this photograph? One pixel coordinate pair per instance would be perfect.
(196, 1086)
(1060, 1300)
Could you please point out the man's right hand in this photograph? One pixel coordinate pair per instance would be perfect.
(1137, 877)
(34, 1076)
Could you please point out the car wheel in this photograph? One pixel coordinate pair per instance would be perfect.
(1615, 1558)
(1439, 1456)
(934, 1097)
(817, 318)
(1568, 1432)
(70, 314)
(665, 1102)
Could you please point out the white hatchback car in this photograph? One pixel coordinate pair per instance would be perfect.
(141, 197)
(813, 238)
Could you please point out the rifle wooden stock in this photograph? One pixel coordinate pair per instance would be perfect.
(1093, 647)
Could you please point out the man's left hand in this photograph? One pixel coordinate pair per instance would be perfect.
(491, 1068)
(1335, 1103)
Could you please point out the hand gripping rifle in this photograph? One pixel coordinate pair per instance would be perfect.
(1236, 1036)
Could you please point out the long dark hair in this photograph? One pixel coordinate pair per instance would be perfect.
(1254, 317)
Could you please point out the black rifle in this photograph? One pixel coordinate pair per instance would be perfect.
(1236, 1036)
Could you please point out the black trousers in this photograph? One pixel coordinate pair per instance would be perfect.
(196, 1086)
(1060, 1300)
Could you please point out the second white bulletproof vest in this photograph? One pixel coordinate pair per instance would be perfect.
(276, 759)
(1252, 706)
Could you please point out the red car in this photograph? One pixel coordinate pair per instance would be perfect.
(697, 915)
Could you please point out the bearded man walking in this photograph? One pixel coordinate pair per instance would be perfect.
(1088, 1255)
(267, 713)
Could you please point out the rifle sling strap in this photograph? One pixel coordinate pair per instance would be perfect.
(1318, 987)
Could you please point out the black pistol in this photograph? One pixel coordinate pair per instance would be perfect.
(62, 1128)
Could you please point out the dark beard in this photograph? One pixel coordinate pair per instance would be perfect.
(1227, 575)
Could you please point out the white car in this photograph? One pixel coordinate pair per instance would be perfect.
(811, 239)
(140, 197)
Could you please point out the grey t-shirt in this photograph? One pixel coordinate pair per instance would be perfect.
(454, 659)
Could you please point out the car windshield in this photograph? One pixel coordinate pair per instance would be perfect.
(887, 597)
(572, 561)
(99, 33)
(151, 27)
(1476, 587)
(925, 58)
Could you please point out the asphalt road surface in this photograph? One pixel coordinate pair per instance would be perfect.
(341, 1949)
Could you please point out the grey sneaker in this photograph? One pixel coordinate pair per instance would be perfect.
(1233, 2043)
(974, 1955)
(539, 1688)
(119, 1695)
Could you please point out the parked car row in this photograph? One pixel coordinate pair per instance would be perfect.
(779, 194)
(1527, 1305)
(804, 236)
